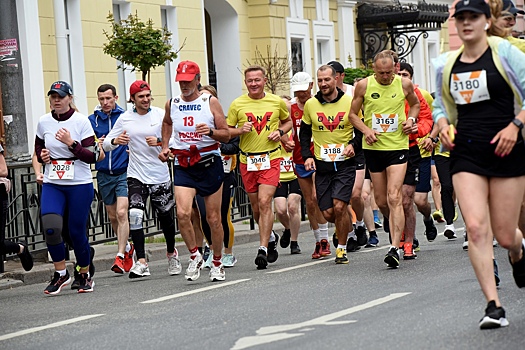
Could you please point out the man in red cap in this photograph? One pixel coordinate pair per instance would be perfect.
(140, 129)
(197, 124)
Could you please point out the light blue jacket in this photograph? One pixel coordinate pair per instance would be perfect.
(509, 61)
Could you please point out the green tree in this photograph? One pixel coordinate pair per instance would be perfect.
(139, 45)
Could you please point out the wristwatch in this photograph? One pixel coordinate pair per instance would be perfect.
(413, 119)
(281, 132)
(72, 147)
(518, 123)
(210, 134)
(434, 139)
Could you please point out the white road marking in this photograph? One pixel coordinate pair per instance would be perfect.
(195, 291)
(274, 333)
(302, 265)
(48, 326)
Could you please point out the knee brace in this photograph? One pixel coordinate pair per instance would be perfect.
(135, 218)
(52, 225)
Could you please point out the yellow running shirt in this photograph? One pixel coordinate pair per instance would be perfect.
(384, 107)
(331, 127)
(265, 115)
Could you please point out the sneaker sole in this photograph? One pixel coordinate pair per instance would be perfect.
(134, 275)
(341, 262)
(490, 323)
(368, 245)
(391, 261)
(194, 277)
(117, 269)
(450, 234)
(87, 290)
(409, 257)
(66, 283)
(261, 262)
(217, 279)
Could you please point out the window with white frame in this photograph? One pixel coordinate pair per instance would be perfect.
(298, 39)
(324, 47)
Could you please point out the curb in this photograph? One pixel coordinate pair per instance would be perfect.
(42, 273)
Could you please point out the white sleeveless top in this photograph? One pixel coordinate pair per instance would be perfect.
(185, 116)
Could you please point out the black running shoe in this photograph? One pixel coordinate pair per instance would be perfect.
(430, 230)
(392, 258)
(386, 225)
(91, 265)
(273, 254)
(285, 238)
(494, 317)
(518, 268)
(261, 260)
(76, 277)
(86, 283)
(415, 244)
(57, 283)
(351, 245)
(25, 257)
(294, 248)
(335, 240)
(360, 232)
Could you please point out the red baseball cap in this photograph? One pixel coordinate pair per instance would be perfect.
(187, 70)
(138, 86)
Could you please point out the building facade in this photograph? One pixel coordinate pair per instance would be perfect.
(63, 39)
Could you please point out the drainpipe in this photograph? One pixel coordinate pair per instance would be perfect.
(62, 40)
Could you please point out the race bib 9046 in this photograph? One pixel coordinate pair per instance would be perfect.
(332, 152)
(469, 87)
(258, 162)
(384, 122)
(62, 170)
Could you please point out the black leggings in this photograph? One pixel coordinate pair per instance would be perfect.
(447, 189)
(227, 188)
(6, 247)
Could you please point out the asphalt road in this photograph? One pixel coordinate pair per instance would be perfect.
(433, 302)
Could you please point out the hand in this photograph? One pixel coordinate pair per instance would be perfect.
(275, 136)
(409, 127)
(289, 145)
(506, 139)
(44, 155)
(309, 164)
(246, 127)
(40, 178)
(427, 144)
(122, 139)
(444, 136)
(101, 140)
(164, 155)
(370, 136)
(64, 136)
(151, 141)
(202, 129)
(349, 151)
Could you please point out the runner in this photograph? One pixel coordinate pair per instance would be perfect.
(302, 89)
(196, 122)
(260, 119)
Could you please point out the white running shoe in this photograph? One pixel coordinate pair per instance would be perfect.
(228, 260)
(217, 273)
(450, 232)
(193, 272)
(139, 270)
(174, 265)
(494, 242)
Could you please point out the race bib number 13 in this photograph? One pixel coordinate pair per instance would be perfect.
(258, 162)
(332, 152)
(62, 170)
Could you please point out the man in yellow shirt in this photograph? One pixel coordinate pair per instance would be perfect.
(385, 143)
(260, 119)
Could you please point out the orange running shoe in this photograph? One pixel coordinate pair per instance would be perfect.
(325, 248)
(118, 265)
(316, 254)
(408, 252)
(128, 258)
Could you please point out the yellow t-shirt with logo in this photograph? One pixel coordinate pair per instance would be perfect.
(265, 115)
(384, 107)
(331, 127)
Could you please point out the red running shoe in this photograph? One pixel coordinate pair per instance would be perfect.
(316, 254)
(128, 258)
(408, 252)
(325, 248)
(118, 265)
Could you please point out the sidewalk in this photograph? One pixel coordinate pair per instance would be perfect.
(15, 276)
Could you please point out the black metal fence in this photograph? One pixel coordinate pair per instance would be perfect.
(23, 213)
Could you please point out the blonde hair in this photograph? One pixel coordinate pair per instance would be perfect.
(255, 68)
(211, 89)
(71, 103)
(497, 11)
